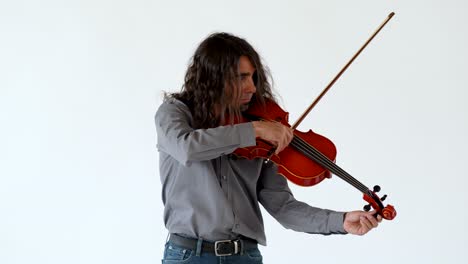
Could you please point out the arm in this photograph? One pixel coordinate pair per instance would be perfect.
(177, 138)
(277, 199)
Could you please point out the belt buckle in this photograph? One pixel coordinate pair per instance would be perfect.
(222, 242)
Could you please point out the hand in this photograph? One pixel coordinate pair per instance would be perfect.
(274, 132)
(360, 222)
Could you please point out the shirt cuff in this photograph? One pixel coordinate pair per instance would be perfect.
(335, 223)
(246, 134)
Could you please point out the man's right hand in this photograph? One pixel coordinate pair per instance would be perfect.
(274, 132)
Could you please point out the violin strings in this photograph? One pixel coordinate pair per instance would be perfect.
(321, 160)
(332, 166)
(327, 163)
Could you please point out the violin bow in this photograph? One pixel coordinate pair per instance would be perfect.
(388, 212)
(306, 112)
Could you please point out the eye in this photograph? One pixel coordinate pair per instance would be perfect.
(244, 77)
(255, 78)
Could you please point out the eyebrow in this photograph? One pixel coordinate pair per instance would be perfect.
(245, 74)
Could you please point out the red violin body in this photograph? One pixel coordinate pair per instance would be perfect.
(292, 164)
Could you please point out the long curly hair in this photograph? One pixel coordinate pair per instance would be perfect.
(212, 84)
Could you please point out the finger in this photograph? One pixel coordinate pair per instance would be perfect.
(379, 218)
(284, 139)
(289, 138)
(279, 148)
(373, 220)
(366, 223)
(374, 217)
(277, 151)
(290, 135)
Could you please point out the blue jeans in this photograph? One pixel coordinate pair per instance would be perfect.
(174, 254)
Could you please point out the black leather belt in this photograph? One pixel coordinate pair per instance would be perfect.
(219, 248)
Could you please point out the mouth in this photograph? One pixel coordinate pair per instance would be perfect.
(245, 100)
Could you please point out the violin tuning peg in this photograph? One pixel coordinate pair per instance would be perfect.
(367, 207)
(383, 198)
(376, 188)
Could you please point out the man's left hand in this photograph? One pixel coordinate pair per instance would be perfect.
(360, 222)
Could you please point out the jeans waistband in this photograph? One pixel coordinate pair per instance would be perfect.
(219, 248)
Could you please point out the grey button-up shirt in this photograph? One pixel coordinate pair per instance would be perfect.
(209, 193)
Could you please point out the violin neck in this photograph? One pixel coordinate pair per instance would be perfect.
(311, 152)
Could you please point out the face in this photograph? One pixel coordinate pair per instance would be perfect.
(246, 75)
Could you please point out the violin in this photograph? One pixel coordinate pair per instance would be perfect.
(310, 157)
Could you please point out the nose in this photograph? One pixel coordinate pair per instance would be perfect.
(250, 87)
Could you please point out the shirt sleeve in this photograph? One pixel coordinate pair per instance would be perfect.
(277, 199)
(177, 138)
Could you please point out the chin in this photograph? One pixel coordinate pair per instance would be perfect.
(244, 107)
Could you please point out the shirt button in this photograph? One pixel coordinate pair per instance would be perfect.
(237, 226)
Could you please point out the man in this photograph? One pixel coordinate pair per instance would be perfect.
(210, 195)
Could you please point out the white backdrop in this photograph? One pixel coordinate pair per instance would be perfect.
(80, 82)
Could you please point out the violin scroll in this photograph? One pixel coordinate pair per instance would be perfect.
(388, 212)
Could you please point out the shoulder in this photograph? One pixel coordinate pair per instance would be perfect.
(173, 108)
(172, 104)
